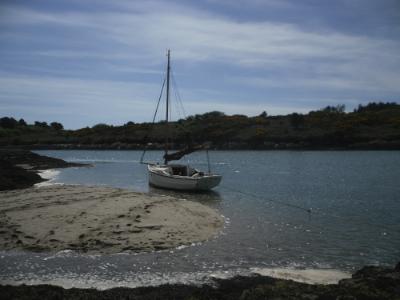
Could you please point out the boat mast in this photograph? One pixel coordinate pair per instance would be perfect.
(166, 111)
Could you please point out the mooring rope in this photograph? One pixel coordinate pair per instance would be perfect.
(310, 211)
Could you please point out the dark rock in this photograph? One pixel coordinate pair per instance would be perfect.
(135, 230)
(371, 283)
(36, 161)
(12, 177)
(18, 168)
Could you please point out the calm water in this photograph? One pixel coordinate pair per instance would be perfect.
(264, 196)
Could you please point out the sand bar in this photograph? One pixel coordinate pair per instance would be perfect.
(100, 220)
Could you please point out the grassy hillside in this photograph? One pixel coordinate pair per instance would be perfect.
(374, 126)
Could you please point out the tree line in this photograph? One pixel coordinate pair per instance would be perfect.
(10, 123)
(372, 126)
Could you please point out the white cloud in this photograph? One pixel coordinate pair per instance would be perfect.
(254, 3)
(197, 35)
(95, 100)
(128, 37)
(327, 83)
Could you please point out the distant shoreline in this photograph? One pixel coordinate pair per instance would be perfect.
(384, 146)
(375, 126)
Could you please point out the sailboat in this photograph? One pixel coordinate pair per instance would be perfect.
(177, 176)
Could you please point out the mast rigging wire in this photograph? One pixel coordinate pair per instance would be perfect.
(154, 118)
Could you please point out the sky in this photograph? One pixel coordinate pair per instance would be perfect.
(98, 61)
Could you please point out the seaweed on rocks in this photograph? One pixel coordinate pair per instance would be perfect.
(370, 283)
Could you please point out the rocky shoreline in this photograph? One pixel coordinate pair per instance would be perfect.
(370, 283)
(19, 168)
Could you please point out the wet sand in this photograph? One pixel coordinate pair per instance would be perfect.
(100, 220)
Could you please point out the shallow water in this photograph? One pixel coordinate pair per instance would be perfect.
(266, 198)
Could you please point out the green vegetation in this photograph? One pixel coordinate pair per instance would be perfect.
(373, 126)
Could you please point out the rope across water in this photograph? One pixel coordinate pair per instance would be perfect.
(311, 212)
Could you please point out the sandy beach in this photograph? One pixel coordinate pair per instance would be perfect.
(100, 220)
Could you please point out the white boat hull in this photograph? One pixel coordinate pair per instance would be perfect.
(164, 180)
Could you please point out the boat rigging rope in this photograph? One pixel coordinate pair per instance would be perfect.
(158, 102)
(177, 94)
(154, 119)
(182, 125)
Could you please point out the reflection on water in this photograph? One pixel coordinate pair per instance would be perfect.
(354, 220)
(211, 198)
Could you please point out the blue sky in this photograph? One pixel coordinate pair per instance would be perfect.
(88, 62)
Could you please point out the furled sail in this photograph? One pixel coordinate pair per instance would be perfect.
(179, 154)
